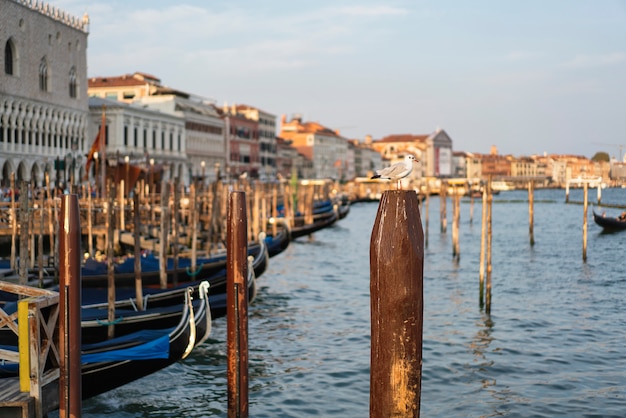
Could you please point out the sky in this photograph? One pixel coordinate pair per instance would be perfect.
(530, 77)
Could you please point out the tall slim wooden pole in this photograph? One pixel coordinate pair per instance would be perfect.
(396, 295)
(70, 386)
(456, 218)
(237, 306)
(531, 212)
(110, 198)
(443, 211)
(585, 201)
(489, 233)
(483, 233)
(137, 241)
(24, 224)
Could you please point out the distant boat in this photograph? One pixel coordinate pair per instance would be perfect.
(609, 223)
(502, 186)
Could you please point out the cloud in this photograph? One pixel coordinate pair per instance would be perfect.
(597, 60)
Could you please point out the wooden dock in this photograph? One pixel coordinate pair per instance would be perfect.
(35, 392)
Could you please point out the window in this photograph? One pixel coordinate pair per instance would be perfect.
(9, 58)
(43, 75)
(73, 82)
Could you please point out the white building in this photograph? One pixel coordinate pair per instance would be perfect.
(143, 135)
(43, 90)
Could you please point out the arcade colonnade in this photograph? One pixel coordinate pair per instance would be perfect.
(34, 135)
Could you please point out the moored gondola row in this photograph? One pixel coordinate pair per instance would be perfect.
(151, 286)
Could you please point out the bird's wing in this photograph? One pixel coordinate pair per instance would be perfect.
(393, 171)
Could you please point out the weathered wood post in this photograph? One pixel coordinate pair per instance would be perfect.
(531, 212)
(175, 225)
(24, 227)
(426, 210)
(70, 386)
(396, 292)
(567, 191)
(237, 306)
(443, 211)
(489, 234)
(483, 233)
(14, 221)
(110, 197)
(456, 219)
(585, 201)
(137, 248)
(164, 234)
(599, 188)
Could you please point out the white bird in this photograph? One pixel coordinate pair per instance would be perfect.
(397, 171)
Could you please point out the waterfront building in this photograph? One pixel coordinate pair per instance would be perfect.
(434, 151)
(140, 135)
(366, 159)
(323, 147)
(43, 91)
(242, 144)
(267, 138)
(205, 137)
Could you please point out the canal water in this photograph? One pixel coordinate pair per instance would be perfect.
(554, 345)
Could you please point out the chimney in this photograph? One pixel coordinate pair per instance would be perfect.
(368, 139)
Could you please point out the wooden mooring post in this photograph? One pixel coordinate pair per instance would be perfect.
(396, 293)
(237, 306)
(70, 386)
(443, 212)
(489, 235)
(456, 220)
(483, 233)
(531, 212)
(585, 201)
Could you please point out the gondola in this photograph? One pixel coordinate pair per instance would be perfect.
(278, 243)
(151, 276)
(94, 273)
(112, 363)
(609, 223)
(320, 221)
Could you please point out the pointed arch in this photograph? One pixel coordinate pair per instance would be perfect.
(10, 58)
(72, 83)
(43, 74)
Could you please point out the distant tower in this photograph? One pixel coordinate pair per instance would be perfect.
(494, 150)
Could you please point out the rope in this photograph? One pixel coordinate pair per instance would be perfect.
(116, 321)
(194, 273)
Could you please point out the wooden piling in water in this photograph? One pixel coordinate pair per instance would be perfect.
(489, 235)
(237, 305)
(137, 248)
(531, 212)
(456, 220)
(110, 216)
(585, 201)
(24, 226)
(164, 235)
(396, 292)
(70, 387)
(443, 211)
(483, 233)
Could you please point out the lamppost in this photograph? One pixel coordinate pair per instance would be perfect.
(95, 177)
(203, 165)
(127, 161)
(217, 172)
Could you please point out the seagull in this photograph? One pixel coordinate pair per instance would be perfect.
(397, 171)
